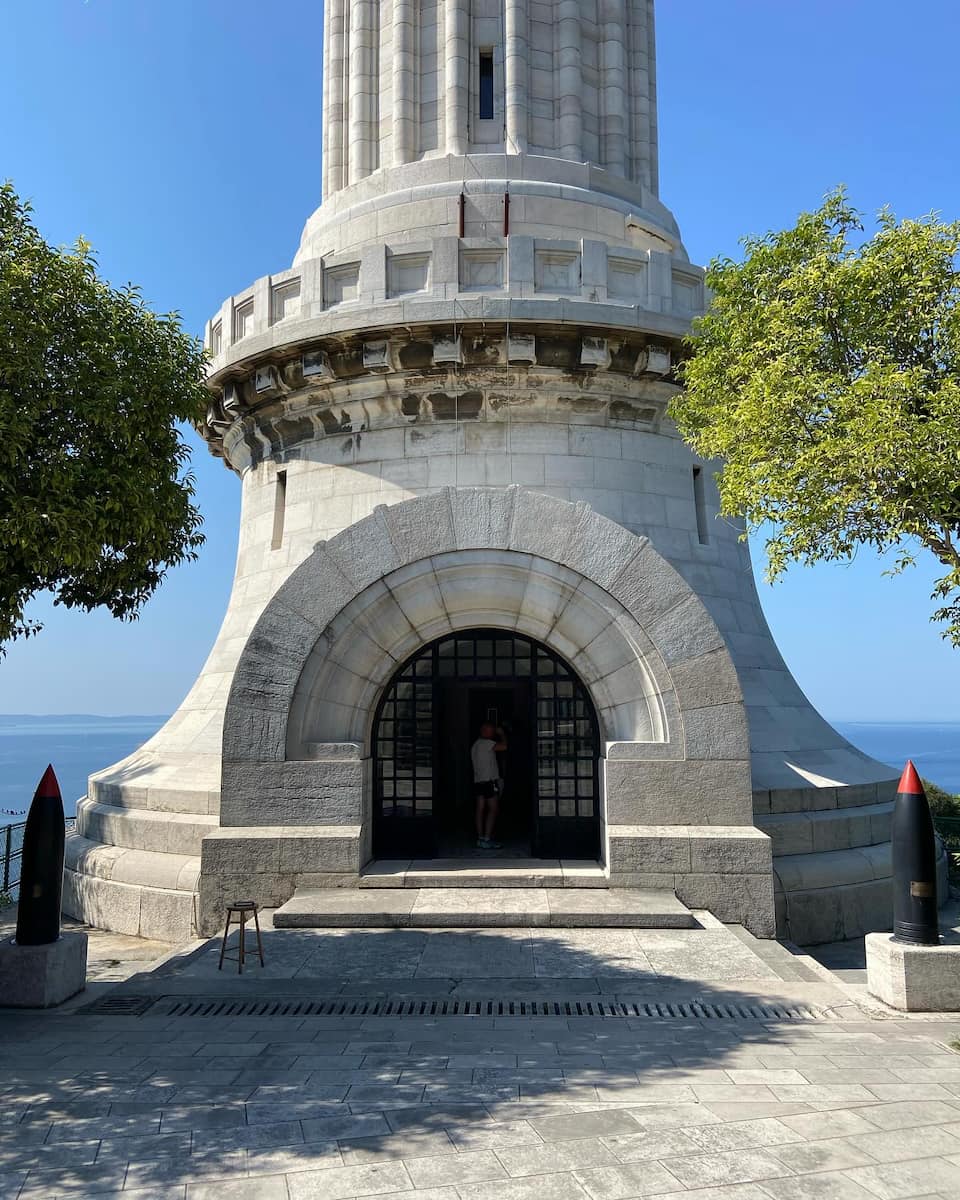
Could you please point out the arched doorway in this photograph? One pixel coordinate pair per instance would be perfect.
(429, 716)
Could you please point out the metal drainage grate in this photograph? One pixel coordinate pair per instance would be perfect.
(537, 1007)
(118, 1006)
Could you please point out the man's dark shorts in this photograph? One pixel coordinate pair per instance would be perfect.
(486, 790)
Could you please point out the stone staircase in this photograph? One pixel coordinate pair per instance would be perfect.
(474, 906)
(475, 871)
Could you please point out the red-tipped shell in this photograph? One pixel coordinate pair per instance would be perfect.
(48, 785)
(910, 784)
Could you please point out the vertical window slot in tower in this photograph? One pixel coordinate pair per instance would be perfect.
(279, 505)
(486, 85)
(700, 505)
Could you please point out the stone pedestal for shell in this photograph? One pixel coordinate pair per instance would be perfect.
(450, 413)
(43, 976)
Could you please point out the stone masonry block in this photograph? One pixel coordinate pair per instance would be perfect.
(644, 879)
(364, 552)
(814, 918)
(600, 549)
(671, 792)
(423, 529)
(791, 833)
(718, 732)
(292, 793)
(649, 849)
(706, 680)
(231, 852)
(254, 736)
(272, 659)
(685, 631)
(866, 907)
(167, 915)
(217, 891)
(737, 899)
(542, 526)
(101, 902)
(482, 516)
(808, 799)
(331, 852)
(317, 589)
(731, 851)
(648, 586)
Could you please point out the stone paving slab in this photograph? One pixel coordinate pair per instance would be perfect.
(483, 1108)
(459, 907)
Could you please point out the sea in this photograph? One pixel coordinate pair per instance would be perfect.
(79, 745)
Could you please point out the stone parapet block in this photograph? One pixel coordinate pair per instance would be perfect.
(724, 869)
(268, 863)
(277, 848)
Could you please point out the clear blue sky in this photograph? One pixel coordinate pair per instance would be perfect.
(182, 138)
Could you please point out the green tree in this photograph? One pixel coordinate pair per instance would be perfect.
(825, 377)
(95, 502)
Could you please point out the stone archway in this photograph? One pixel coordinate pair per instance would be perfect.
(676, 780)
(424, 726)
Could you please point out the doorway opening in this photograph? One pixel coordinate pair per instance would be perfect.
(430, 715)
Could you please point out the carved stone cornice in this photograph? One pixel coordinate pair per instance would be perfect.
(401, 377)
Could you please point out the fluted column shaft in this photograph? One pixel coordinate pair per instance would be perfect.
(456, 57)
(515, 76)
(333, 96)
(643, 95)
(404, 83)
(613, 58)
(570, 81)
(364, 89)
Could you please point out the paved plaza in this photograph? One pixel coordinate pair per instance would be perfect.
(849, 1104)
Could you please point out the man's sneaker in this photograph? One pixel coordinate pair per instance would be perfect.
(490, 844)
(483, 844)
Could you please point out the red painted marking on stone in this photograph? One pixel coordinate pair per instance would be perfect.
(910, 784)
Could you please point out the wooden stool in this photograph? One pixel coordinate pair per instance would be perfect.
(242, 909)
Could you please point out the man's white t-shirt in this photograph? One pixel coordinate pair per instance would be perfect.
(484, 759)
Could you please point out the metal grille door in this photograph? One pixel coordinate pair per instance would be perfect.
(565, 814)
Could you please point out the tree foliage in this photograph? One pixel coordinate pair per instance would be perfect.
(825, 376)
(95, 501)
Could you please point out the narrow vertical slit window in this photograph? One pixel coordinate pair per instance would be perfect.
(700, 505)
(279, 507)
(486, 85)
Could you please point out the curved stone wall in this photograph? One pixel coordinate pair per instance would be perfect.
(373, 635)
(647, 632)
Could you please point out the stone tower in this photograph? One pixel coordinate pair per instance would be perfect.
(462, 497)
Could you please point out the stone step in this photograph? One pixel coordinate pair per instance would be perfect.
(459, 908)
(479, 872)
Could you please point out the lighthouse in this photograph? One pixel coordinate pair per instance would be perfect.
(464, 503)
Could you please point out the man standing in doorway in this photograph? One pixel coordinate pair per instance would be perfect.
(486, 782)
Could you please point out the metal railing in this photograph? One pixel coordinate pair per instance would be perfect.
(11, 839)
(949, 830)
